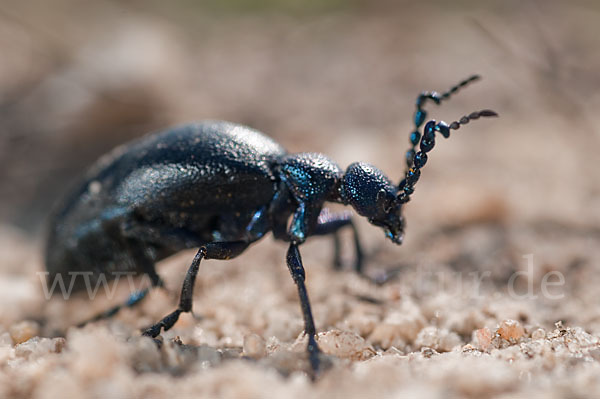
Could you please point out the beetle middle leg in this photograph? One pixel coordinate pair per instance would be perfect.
(123, 231)
(213, 250)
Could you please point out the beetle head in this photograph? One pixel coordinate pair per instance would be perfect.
(373, 196)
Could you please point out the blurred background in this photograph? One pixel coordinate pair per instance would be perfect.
(333, 76)
(338, 77)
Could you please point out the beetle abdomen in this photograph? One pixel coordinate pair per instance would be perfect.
(183, 178)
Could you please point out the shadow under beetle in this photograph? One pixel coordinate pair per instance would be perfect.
(221, 187)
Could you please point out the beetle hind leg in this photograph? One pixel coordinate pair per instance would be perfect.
(146, 265)
(135, 298)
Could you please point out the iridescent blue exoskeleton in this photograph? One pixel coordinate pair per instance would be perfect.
(220, 187)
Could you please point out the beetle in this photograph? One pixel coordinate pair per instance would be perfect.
(220, 187)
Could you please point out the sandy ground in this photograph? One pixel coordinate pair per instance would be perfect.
(493, 294)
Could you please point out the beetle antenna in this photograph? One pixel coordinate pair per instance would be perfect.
(421, 114)
(407, 186)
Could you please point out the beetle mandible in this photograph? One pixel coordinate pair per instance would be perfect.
(220, 187)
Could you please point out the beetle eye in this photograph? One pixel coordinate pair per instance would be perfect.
(385, 200)
(376, 222)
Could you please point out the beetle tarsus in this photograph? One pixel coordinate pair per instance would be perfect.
(133, 300)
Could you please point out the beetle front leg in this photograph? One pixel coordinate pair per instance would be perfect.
(294, 262)
(331, 223)
(213, 250)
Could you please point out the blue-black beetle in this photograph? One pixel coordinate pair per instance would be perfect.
(221, 186)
